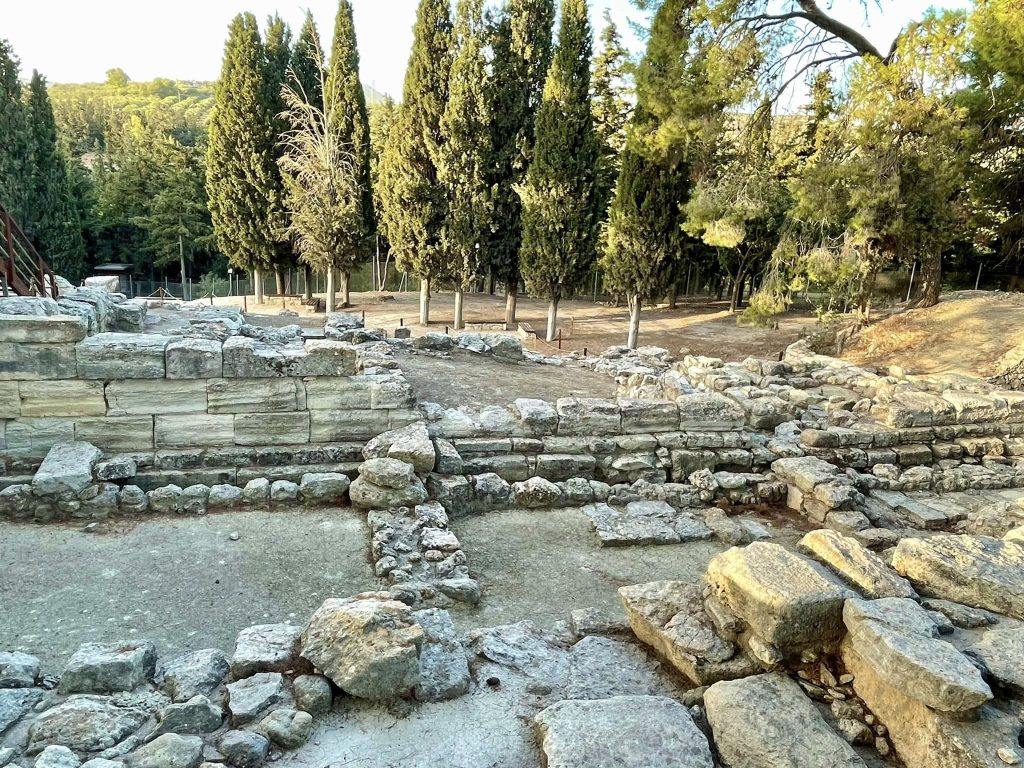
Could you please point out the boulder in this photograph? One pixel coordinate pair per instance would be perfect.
(443, 668)
(978, 571)
(15, 703)
(85, 724)
(244, 749)
(433, 342)
(284, 491)
(57, 757)
(198, 673)
(266, 648)
(387, 473)
(855, 564)
(18, 670)
(109, 667)
(1001, 653)
(766, 721)
(197, 715)
(367, 494)
(251, 698)
(536, 417)
(287, 728)
(117, 468)
(67, 469)
(903, 644)
(537, 493)
(323, 487)
(313, 694)
(410, 444)
(368, 645)
(621, 732)
(169, 751)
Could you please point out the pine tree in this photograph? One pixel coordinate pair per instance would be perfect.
(278, 54)
(15, 151)
(521, 45)
(611, 108)
(560, 214)
(52, 219)
(382, 117)
(353, 126)
(465, 156)
(414, 201)
(238, 174)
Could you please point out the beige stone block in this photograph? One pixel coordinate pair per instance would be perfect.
(63, 398)
(117, 433)
(147, 397)
(34, 362)
(10, 401)
(338, 426)
(326, 393)
(42, 329)
(34, 437)
(272, 428)
(194, 431)
(256, 395)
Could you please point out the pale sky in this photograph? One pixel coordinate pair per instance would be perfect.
(74, 41)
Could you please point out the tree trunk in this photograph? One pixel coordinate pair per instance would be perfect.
(511, 297)
(736, 292)
(346, 296)
(181, 258)
(330, 290)
(307, 292)
(634, 323)
(491, 281)
(425, 301)
(552, 320)
(673, 296)
(279, 281)
(930, 281)
(458, 307)
(741, 288)
(257, 277)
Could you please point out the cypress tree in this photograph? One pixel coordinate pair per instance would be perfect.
(414, 201)
(277, 52)
(560, 214)
(352, 125)
(611, 108)
(521, 45)
(53, 215)
(238, 174)
(15, 151)
(465, 156)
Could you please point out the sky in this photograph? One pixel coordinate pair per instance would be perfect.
(70, 41)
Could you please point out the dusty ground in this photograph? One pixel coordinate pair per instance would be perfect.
(967, 332)
(468, 379)
(699, 325)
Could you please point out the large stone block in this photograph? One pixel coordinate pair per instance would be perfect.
(339, 393)
(248, 358)
(272, 428)
(67, 469)
(785, 599)
(116, 433)
(44, 329)
(587, 416)
(710, 412)
(10, 400)
(34, 437)
(109, 667)
(122, 356)
(68, 397)
(390, 391)
(34, 362)
(645, 416)
(194, 359)
(146, 397)
(37, 306)
(256, 395)
(339, 426)
(194, 431)
(863, 569)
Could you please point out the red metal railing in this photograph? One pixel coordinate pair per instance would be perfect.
(25, 271)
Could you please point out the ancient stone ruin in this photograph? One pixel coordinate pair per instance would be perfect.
(862, 604)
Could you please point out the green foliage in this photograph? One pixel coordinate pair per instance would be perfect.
(611, 108)
(414, 205)
(16, 154)
(560, 196)
(465, 155)
(240, 168)
(307, 65)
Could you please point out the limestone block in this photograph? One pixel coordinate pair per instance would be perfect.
(43, 329)
(10, 400)
(256, 395)
(249, 358)
(122, 356)
(339, 393)
(68, 397)
(863, 569)
(1001, 651)
(108, 283)
(587, 416)
(34, 437)
(645, 416)
(67, 469)
(272, 428)
(116, 433)
(536, 417)
(27, 305)
(710, 412)
(129, 316)
(389, 391)
(194, 359)
(146, 397)
(177, 431)
(326, 357)
(338, 426)
(34, 362)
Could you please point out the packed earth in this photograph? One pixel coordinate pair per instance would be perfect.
(627, 559)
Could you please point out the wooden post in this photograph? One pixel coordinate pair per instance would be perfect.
(10, 248)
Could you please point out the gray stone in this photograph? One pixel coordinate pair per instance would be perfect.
(18, 670)
(902, 643)
(621, 732)
(57, 757)
(244, 749)
(960, 615)
(709, 412)
(765, 721)
(165, 499)
(99, 762)
(36, 306)
(15, 703)
(193, 499)
(600, 667)
(144, 397)
(122, 356)
(129, 316)
(409, 444)
(313, 694)
(368, 495)
(191, 358)
(616, 528)
(67, 469)
(284, 491)
(536, 417)
(287, 728)
(587, 416)
(387, 473)
(443, 668)
(537, 493)
(109, 667)
(368, 645)
(251, 698)
(860, 567)
(256, 491)
(131, 498)
(525, 648)
(223, 496)
(169, 751)
(323, 487)
(85, 724)
(198, 673)
(256, 395)
(433, 342)
(1001, 651)
(266, 648)
(197, 715)
(37, 362)
(117, 468)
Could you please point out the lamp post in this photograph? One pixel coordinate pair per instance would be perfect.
(231, 272)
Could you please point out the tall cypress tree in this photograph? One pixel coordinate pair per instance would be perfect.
(465, 156)
(238, 172)
(277, 54)
(15, 151)
(352, 124)
(611, 108)
(53, 214)
(521, 45)
(414, 201)
(560, 213)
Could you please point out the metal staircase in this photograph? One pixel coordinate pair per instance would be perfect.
(23, 270)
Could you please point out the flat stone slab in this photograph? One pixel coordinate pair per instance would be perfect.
(621, 732)
(856, 564)
(902, 642)
(252, 698)
(67, 469)
(766, 721)
(785, 599)
(602, 667)
(1001, 650)
(644, 522)
(978, 571)
(122, 356)
(109, 667)
(85, 723)
(266, 648)
(669, 616)
(15, 703)
(42, 329)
